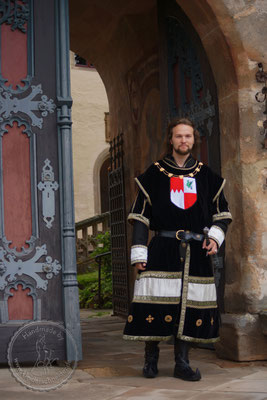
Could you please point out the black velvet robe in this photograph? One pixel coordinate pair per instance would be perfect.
(172, 297)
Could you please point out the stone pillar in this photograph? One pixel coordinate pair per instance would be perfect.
(243, 332)
(64, 102)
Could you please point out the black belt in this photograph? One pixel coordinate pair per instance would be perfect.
(181, 234)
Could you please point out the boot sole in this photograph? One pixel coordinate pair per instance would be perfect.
(149, 376)
(193, 379)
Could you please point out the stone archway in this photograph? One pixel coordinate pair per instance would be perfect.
(124, 49)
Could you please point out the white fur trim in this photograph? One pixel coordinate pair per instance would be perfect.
(159, 287)
(217, 234)
(201, 292)
(138, 254)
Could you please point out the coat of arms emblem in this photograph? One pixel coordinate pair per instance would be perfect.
(183, 191)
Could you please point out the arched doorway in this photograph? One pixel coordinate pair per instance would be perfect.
(122, 39)
(160, 69)
(104, 194)
(188, 89)
(100, 180)
(126, 51)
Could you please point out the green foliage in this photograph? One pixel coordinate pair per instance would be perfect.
(103, 242)
(88, 283)
(86, 279)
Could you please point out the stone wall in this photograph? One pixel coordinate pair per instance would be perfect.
(90, 148)
(233, 36)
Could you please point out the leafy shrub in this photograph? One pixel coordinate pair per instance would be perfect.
(103, 242)
(88, 283)
(86, 279)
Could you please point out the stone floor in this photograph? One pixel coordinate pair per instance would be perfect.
(112, 369)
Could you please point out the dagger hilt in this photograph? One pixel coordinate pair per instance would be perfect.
(206, 235)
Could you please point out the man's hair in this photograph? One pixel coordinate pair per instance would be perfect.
(183, 121)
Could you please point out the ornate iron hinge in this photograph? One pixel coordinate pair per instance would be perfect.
(15, 13)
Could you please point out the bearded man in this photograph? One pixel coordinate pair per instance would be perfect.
(175, 293)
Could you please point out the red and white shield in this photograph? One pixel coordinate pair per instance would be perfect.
(183, 192)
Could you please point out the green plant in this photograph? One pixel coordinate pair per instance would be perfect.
(85, 280)
(88, 283)
(103, 242)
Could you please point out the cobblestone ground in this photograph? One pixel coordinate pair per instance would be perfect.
(112, 369)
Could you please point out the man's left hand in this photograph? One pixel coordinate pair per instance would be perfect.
(212, 248)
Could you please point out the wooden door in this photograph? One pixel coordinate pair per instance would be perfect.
(187, 83)
(37, 246)
(188, 89)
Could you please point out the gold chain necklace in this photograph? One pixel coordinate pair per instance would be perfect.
(169, 174)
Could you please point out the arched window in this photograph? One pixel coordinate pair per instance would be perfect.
(104, 192)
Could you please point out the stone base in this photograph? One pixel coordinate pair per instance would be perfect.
(242, 338)
(263, 320)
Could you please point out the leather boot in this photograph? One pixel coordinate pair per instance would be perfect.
(150, 369)
(182, 368)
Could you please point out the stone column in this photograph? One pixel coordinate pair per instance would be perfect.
(64, 102)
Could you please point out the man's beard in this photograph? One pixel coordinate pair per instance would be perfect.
(183, 152)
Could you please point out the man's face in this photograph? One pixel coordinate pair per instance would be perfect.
(182, 139)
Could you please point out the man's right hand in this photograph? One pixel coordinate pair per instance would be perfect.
(140, 266)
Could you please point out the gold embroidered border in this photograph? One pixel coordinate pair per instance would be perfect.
(138, 245)
(177, 167)
(219, 191)
(218, 204)
(156, 299)
(143, 190)
(185, 290)
(138, 260)
(161, 274)
(222, 215)
(201, 304)
(138, 217)
(198, 340)
(201, 279)
(170, 174)
(147, 338)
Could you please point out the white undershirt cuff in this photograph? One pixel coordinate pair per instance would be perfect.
(138, 254)
(217, 234)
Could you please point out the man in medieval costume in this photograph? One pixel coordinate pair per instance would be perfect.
(175, 293)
